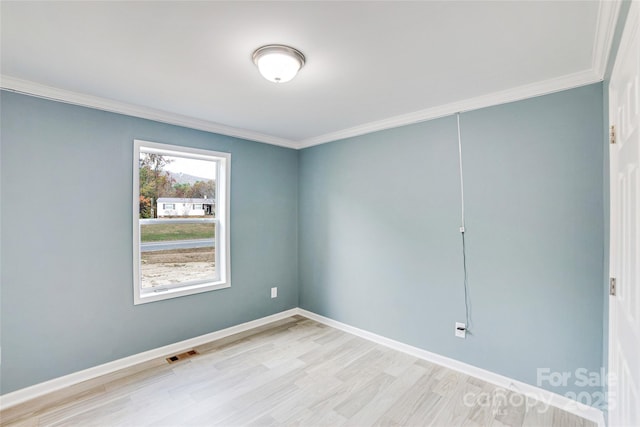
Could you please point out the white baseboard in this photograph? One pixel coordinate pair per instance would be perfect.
(553, 399)
(19, 396)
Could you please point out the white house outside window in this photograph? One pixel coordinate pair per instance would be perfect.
(180, 221)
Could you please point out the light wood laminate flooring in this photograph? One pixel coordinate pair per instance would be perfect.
(294, 372)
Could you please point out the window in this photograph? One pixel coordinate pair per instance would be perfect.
(179, 247)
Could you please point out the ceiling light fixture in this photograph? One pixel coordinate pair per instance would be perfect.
(278, 63)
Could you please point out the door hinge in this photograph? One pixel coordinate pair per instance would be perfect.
(612, 286)
(612, 135)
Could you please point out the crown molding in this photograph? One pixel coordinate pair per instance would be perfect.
(606, 24)
(545, 87)
(27, 87)
(608, 12)
(502, 97)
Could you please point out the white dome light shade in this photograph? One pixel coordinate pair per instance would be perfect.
(278, 63)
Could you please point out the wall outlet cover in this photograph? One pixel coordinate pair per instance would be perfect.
(274, 292)
(461, 330)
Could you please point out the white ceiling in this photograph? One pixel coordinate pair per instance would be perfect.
(370, 65)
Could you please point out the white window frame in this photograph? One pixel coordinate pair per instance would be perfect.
(222, 235)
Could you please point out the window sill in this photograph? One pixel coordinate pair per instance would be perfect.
(158, 294)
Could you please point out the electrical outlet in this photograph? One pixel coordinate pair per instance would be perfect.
(461, 330)
(274, 292)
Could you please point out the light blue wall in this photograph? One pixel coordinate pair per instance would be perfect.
(380, 247)
(373, 222)
(66, 278)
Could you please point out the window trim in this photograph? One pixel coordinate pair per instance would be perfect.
(223, 209)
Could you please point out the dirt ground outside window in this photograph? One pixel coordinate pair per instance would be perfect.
(161, 268)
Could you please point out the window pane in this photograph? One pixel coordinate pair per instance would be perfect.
(176, 253)
(176, 186)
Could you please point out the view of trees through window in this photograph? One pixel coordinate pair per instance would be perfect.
(177, 220)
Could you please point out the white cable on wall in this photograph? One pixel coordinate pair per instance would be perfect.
(461, 175)
(462, 229)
